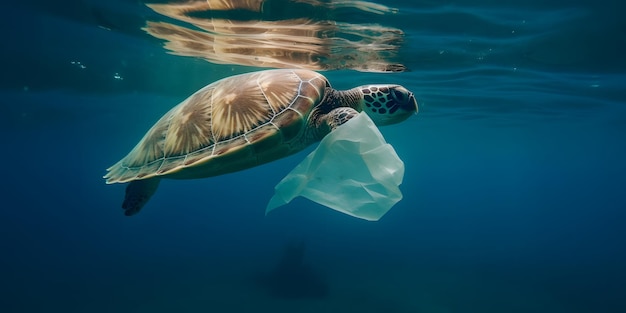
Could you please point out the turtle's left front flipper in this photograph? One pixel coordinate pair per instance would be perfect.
(340, 116)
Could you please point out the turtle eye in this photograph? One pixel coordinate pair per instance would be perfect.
(398, 95)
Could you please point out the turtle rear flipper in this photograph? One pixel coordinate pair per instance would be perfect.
(138, 193)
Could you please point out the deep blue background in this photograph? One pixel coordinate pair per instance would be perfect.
(514, 189)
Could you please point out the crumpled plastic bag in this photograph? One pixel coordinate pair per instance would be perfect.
(353, 170)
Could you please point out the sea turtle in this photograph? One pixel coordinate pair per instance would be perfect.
(245, 120)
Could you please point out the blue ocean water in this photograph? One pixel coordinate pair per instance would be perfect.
(513, 194)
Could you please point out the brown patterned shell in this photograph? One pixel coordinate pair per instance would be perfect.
(232, 124)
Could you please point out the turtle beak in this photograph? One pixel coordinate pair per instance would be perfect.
(412, 101)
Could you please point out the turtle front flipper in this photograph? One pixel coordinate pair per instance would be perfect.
(138, 192)
(339, 116)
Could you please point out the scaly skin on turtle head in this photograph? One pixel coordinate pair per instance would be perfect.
(388, 104)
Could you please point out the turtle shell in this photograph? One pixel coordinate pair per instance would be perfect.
(229, 125)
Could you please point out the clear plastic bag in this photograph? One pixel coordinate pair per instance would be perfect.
(353, 170)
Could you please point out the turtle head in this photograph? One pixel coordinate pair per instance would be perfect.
(388, 104)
